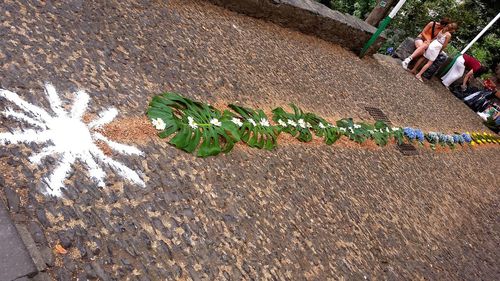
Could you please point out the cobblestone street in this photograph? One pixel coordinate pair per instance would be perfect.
(299, 212)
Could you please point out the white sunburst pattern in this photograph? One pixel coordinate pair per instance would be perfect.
(67, 137)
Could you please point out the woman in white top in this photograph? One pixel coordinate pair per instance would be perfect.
(435, 47)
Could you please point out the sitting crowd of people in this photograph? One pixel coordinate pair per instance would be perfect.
(485, 100)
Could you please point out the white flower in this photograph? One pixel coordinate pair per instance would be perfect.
(308, 125)
(191, 123)
(282, 123)
(321, 125)
(301, 123)
(292, 123)
(252, 122)
(264, 122)
(237, 121)
(356, 126)
(387, 130)
(215, 122)
(351, 130)
(342, 129)
(159, 124)
(395, 129)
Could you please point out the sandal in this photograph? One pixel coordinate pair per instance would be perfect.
(419, 79)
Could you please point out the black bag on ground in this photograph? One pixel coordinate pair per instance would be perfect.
(456, 89)
(481, 101)
(441, 58)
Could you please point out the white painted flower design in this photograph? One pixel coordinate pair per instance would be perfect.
(70, 139)
(292, 123)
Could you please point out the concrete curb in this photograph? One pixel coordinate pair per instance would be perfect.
(15, 259)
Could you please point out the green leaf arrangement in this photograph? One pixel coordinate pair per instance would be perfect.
(195, 126)
(293, 123)
(323, 128)
(399, 136)
(193, 123)
(380, 133)
(356, 132)
(300, 125)
(255, 129)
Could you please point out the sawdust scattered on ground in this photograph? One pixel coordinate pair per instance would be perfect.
(135, 129)
(104, 147)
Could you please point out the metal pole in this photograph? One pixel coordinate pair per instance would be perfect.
(381, 28)
(395, 10)
(448, 67)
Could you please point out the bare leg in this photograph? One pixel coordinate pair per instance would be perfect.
(420, 49)
(418, 43)
(426, 66)
(417, 65)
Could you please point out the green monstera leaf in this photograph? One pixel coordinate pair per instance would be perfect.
(355, 132)
(380, 133)
(398, 135)
(255, 129)
(323, 128)
(293, 123)
(195, 125)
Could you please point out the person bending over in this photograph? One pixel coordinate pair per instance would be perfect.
(463, 62)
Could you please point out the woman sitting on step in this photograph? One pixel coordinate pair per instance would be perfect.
(430, 31)
(435, 47)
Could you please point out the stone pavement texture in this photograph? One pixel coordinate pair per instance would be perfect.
(15, 260)
(310, 17)
(300, 212)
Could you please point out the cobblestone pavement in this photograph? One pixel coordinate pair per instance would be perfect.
(301, 212)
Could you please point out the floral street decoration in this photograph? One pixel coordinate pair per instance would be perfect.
(197, 126)
(254, 128)
(296, 123)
